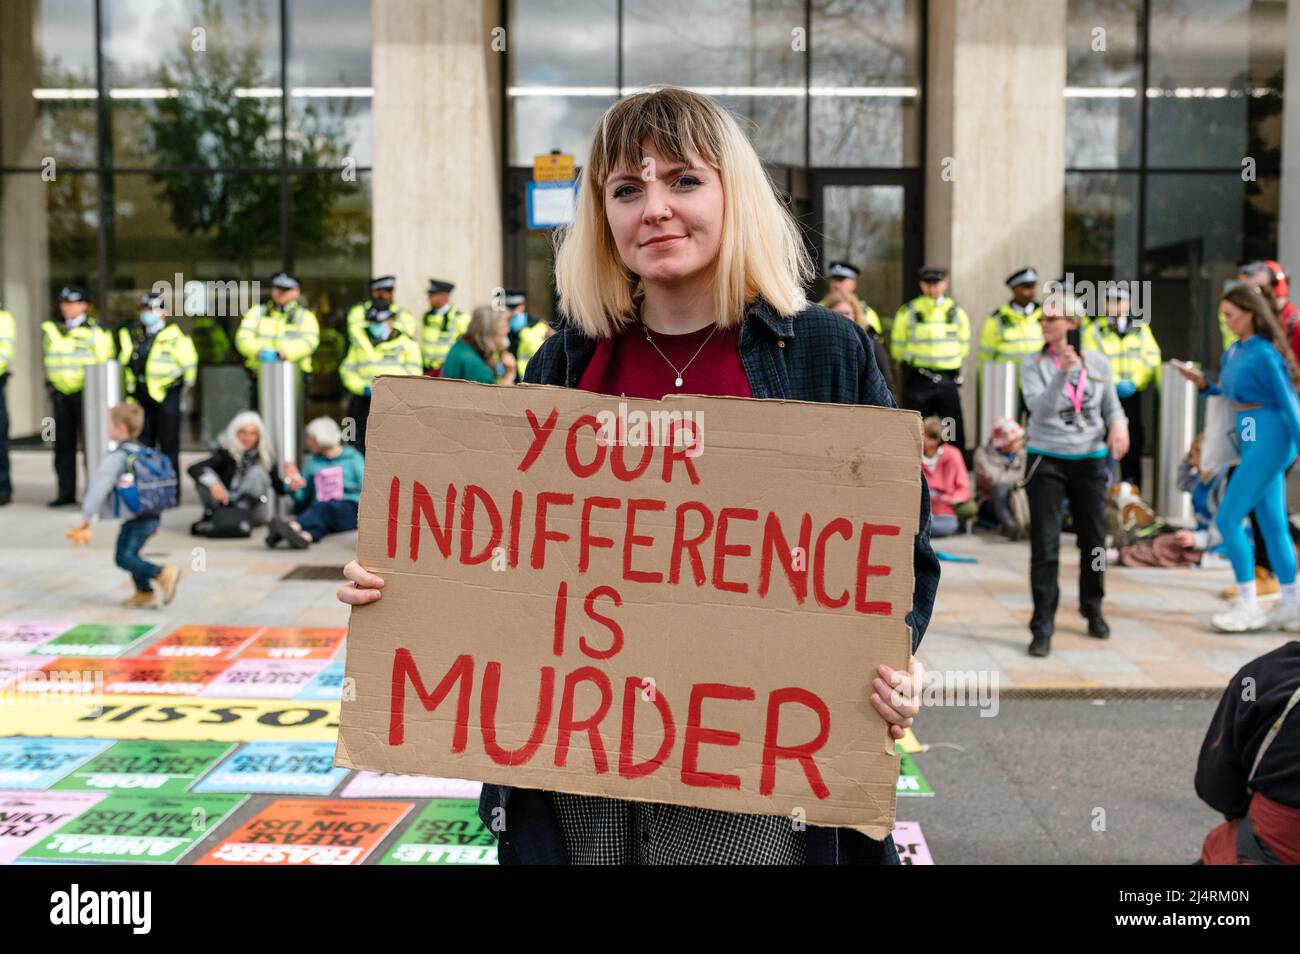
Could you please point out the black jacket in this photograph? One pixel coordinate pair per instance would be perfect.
(813, 356)
(223, 465)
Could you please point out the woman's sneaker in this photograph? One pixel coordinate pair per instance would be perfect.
(1242, 618)
(1286, 619)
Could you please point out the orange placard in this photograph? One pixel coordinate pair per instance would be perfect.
(293, 831)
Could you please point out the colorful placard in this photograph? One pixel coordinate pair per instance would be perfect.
(912, 849)
(136, 828)
(296, 832)
(34, 764)
(155, 767)
(28, 817)
(266, 678)
(279, 768)
(910, 779)
(389, 785)
(294, 643)
(19, 639)
(169, 718)
(202, 642)
(135, 676)
(446, 832)
(95, 639)
(327, 684)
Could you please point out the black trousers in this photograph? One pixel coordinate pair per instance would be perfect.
(359, 410)
(162, 426)
(940, 399)
(1130, 466)
(67, 428)
(1084, 483)
(6, 486)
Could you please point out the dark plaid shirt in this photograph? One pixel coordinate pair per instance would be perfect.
(815, 355)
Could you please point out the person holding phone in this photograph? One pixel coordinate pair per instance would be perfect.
(1075, 423)
(683, 273)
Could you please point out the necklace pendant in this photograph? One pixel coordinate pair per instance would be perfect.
(678, 382)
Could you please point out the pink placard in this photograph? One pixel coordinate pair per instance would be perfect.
(912, 849)
(329, 483)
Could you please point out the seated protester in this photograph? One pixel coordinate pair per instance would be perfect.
(999, 474)
(481, 353)
(1206, 489)
(1249, 767)
(850, 306)
(326, 495)
(945, 472)
(236, 483)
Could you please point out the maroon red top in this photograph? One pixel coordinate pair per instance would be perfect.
(628, 366)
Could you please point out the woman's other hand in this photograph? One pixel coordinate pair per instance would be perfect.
(897, 696)
(364, 587)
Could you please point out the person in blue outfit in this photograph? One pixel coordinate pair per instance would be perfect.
(1261, 379)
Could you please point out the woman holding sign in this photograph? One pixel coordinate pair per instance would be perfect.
(684, 272)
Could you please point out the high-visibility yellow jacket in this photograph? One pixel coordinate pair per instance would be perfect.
(359, 316)
(1133, 357)
(873, 319)
(1009, 335)
(930, 334)
(397, 354)
(67, 353)
(171, 358)
(440, 332)
(293, 331)
(8, 340)
(530, 339)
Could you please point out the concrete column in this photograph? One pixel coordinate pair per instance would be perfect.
(995, 163)
(437, 166)
(24, 227)
(1288, 230)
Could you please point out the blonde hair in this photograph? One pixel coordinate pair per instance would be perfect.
(130, 415)
(229, 439)
(840, 298)
(761, 254)
(933, 428)
(481, 332)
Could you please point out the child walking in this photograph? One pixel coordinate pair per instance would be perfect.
(125, 422)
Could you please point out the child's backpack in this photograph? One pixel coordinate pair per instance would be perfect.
(148, 485)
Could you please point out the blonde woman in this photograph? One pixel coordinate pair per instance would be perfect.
(480, 354)
(235, 484)
(683, 271)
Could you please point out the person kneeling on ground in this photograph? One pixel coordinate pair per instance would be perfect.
(125, 421)
(326, 496)
(945, 472)
(1249, 767)
(999, 476)
(236, 483)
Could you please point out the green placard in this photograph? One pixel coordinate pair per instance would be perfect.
(139, 829)
(95, 639)
(167, 768)
(910, 779)
(446, 832)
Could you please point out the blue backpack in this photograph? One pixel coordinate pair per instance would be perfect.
(148, 485)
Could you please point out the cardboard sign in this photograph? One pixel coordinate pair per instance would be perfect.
(202, 642)
(17, 639)
(446, 832)
(155, 767)
(28, 817)
(157, 829)
(36, 764)
(291, 643)
(607, 597)
(95, 639)
(280, 768)
(385, 785)
(166, 717)
(265, 678)
(294, 832)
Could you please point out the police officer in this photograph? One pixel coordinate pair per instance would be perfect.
(382, 347)
(1014, 330)
(279, 330)
(527, 332)
(69, 346)
(843, 278)
(8, 341)
(930, 340)
(382, 290)
(1135, 363)
(443, 324)
(158, 361)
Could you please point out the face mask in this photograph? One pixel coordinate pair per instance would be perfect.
(150, 319)
(519, 322)
(378, 329)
